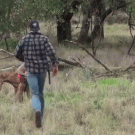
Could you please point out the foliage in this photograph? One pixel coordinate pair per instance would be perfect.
(15, 15)
(131, 6)
(6, 8)
(119, 19)
(12, 43)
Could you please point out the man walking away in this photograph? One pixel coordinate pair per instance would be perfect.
(34, 50)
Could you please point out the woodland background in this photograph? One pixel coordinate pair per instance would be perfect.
(93, 93)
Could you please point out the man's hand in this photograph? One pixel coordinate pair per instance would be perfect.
(55, 69)
(25, 73)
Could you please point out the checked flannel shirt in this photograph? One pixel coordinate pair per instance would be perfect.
(36, 51)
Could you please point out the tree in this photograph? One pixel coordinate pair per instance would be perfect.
(6, 8)
(63, 19)
(131, 21)
(100, 7)
(90, 8)
(15, 15)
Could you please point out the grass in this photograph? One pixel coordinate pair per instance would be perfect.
(105, 107)
(75, 104)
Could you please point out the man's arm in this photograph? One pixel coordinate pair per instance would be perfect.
(18, 51)
(50, 52)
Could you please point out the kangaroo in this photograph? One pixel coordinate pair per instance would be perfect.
(20, 84)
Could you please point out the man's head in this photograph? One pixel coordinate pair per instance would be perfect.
(34, 25)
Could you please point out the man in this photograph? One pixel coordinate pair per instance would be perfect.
(34, 50)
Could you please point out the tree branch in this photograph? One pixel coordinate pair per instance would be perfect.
(83, 48)
(7, 57)
(131, 46)
(78, 64)
(8, 68)
(128, 68)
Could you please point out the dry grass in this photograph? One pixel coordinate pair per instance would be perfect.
(75, 104)
(74, 107)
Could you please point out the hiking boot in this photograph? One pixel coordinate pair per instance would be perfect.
(38, 119)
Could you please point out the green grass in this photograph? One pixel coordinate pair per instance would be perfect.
(108, 83)
(114, 82)
(53, 97)
(98, 109)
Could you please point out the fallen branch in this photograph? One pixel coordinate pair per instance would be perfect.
(83, 48)
(78, 64)
(1, 50)
(128, 68)
(8, 68)
(6, 57)
(11, 55)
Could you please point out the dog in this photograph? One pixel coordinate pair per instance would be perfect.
(18, 81)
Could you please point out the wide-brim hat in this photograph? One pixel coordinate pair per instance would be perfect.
(34, 25)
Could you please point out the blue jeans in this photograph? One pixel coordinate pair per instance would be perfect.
(36, 85)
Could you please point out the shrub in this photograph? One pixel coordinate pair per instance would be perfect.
(110, 20)
(12, 43)
(119, 17)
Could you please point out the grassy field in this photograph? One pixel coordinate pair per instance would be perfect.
(76, 104)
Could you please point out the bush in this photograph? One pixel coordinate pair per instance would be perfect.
(119, 17)
(111, 20)
(12, 43)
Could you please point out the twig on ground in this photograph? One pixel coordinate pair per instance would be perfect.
(6, 57)
(1, 50)
(8, 68)
(78, 64)
(128, 68)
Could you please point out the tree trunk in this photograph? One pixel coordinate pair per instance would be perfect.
(102, 13)
(63, 31)
(7, 48)
(84, 29)
(63, 20)
(94, 6)
(68, 30)
(60, 31)
(100, 33)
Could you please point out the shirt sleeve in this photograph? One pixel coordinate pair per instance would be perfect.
(50, 51)
(19, 51)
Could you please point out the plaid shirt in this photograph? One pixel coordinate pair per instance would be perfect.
(36, 51)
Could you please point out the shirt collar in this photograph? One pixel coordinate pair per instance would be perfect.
(34, 31)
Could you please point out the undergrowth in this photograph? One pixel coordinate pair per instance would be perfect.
(74, 107)
(76, 103)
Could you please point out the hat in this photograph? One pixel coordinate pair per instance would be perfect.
(34, 25)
